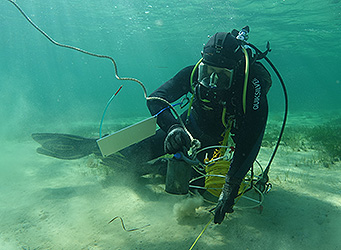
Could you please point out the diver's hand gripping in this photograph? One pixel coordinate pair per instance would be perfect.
(226, 200)
(177, 140)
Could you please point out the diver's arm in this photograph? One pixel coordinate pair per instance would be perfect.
(171, 91)
(248, 142)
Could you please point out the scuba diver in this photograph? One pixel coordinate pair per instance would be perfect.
(225, 97)
(218, 102)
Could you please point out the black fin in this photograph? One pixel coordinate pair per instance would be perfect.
(65, 146)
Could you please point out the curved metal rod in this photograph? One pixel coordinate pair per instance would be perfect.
(123, 226)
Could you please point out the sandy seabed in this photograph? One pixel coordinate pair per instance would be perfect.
(47, 203)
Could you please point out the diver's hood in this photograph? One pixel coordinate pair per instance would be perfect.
(222, 50)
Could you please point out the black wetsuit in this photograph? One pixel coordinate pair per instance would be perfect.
(205, 121)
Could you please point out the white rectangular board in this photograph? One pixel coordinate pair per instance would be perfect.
(127, 136)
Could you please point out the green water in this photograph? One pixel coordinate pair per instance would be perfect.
(53, 204)
(152, 40)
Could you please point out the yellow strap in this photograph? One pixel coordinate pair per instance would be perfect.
(190, 106)
(228, 126)
(223, 117)
(192, 86)
(192, 74)
(246, 78)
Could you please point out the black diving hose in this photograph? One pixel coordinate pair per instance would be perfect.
(265, 177)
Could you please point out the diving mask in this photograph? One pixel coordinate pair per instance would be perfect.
(214, 77)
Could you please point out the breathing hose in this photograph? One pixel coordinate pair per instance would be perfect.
(266, 171)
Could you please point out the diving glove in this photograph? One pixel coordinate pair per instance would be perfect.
(226, 199)
(176, 140)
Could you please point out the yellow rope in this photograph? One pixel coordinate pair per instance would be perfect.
(214, 183)
(196, 240)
